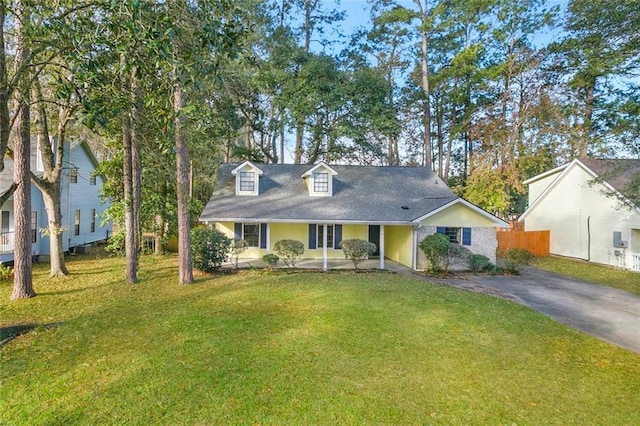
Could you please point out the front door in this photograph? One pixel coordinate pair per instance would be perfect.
(374, 237)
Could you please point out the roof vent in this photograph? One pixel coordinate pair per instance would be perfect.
(404, 207)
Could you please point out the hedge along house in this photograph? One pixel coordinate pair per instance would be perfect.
(322, 205)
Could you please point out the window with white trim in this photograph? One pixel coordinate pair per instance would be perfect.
(320, 182)
(251, 234)
(76, 222)
(73, 175)
(330, 236)
(247, 181)
(34, 226)
(93, 220)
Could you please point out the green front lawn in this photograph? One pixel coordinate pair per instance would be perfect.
(592, 272)
(297, 348)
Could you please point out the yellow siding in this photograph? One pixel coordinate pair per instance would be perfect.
(398, 241)
(350, 232)
(458, 215)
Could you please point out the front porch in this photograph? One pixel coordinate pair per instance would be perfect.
(318, 264)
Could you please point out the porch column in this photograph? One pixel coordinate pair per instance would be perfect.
(381, 250)
(324, 246)
(268, 238)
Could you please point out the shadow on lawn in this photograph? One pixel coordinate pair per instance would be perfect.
(10, 332)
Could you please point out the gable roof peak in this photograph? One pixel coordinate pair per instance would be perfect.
(321, 164)
(245, 164)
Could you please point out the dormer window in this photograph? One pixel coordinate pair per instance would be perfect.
(247, 181)
(319, 180)
(247, 178)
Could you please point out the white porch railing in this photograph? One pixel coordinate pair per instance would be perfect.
(635, 261)
(6, 242)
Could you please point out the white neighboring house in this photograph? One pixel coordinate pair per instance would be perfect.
(581, 205)
(82, 208)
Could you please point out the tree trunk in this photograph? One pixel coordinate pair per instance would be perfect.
(22, 281)
(49, 184)
(52, 205)
(5, 119)
(185, 273)
(427, 162)
(158, 238)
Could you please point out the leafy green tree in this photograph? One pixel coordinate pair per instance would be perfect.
(602, 45)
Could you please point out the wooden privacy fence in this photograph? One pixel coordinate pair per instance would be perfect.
(537, 242)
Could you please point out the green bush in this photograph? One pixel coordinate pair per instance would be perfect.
(357, 250)
(289, 250)
(115, 244)
(479, 263)
(209, 248)
(520, 255)
(6, 272)
(436, 249)
(238, 246)
(458, 255)
(271, 260)
(514, 258)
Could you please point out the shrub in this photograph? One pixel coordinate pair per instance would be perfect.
(238, 246)
(209, 248)
(519, 255)
(357, 250)
(458, 255)
(436, 249)
(6, 273)
(115, 244)
(479, 263)
(514, 258)
(271, 260)
(289, 250)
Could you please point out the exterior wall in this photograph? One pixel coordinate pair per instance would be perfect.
(537, 187)
(398, 243)
(582, 220)
(483, 241)
(458, 215)
(398, 240)
(80, 196)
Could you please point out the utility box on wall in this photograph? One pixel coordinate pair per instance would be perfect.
(617, 240)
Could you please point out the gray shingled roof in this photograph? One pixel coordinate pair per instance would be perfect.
(618, 173)
(367, 194)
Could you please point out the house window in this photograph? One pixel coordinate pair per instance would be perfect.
(92, 180)
(73, 175)
(456, 235)
(330, 236)
(76, 222)
(453, 234)
(320, 182)
(247, 181)
(251, 234)
(93, 220)
(34, 226)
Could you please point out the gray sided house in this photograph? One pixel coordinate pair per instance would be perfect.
(322, 205)
(82, 208)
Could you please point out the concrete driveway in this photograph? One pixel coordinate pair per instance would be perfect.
(610, 314)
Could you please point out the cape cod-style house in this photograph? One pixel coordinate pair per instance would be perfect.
(82, 207)
(322, 204)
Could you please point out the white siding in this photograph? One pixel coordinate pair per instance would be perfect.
(582, 219)
(79, 196)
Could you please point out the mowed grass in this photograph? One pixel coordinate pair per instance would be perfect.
(592, 272)
(296, 348)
